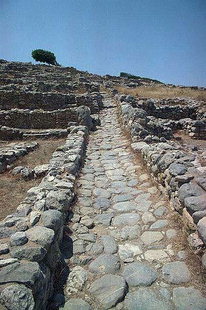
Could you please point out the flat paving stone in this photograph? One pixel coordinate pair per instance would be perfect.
(130, 232)
(109, 243)
(159, 224)
(104, 219)
(105, 263)
(121, 198)
(139, 274)
(160, 211)
(102, 203)
(150, 237)
(176, 272)
(76, 304)
(125, 206)
(126, 219)
(128, 251)
(100, 192)
(156, 255)
(108, 290)
(188, 298)
(147, 299)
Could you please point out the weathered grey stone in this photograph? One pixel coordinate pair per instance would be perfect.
(17, 297)
(139, 274)
(19, 238)
(109, 243)
(171, 233)
(176, 272)
(78, 246)
(160, 211)
(149, 237)
(201, 227)
(34, 253)
(177, 169)
(76, 280)
(87, 221)
(34, 217)
(188, 298)
(7, 261)
(148, 217)
(125, 206)
(76, 304)
(4, 249)
(102, 203)
(95, 248)
(108, 290)
(42, 235)
(88, 237)
(130, 232)
(105, 263)
(126, 219)
(198, 215)
(104, 219)
(194, 204)
(121, 198)
(188, 190)
(159, 224)
(100, 192)
(201, 181)
(128, 251)
(156, 255)
(147, 299)
(52, 219)
(58, 200)
(27, 273)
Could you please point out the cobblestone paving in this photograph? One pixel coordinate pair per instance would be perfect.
(124, 236)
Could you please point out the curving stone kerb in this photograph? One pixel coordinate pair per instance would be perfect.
(32, 235)
(173, 168)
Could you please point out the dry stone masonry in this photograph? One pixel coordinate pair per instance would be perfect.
(99, 232)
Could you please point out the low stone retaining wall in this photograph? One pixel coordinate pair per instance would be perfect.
(141, 125)
(175, 171)
(37, 119)
(31, 237)
(12, 152)
(47, 101)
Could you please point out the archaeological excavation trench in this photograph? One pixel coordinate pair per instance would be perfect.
(117, 219)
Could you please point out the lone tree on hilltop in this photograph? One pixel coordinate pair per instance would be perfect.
(44, 56)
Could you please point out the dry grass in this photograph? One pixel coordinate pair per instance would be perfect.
(41, 155)
(161, 92)
(12, 188)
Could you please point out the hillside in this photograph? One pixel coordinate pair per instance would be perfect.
(103, 191)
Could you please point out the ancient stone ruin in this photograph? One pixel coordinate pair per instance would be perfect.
(116, 218)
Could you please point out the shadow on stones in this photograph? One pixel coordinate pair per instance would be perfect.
(62, 269)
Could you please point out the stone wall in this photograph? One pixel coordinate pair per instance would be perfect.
(31, 237)
(177, 173)
(47, 101)
(37, 119)
(12, 152)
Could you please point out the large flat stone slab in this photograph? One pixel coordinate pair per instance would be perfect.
(139, 274)
(176, 272)
(108, 290)
(126, 219)
(150, 237)
(105, 263)
(147, 299)
(188, 298)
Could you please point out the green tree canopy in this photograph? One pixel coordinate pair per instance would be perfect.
(44, 56)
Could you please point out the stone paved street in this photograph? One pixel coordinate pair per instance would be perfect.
(128, 252)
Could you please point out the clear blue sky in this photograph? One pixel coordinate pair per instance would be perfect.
(162, 39)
